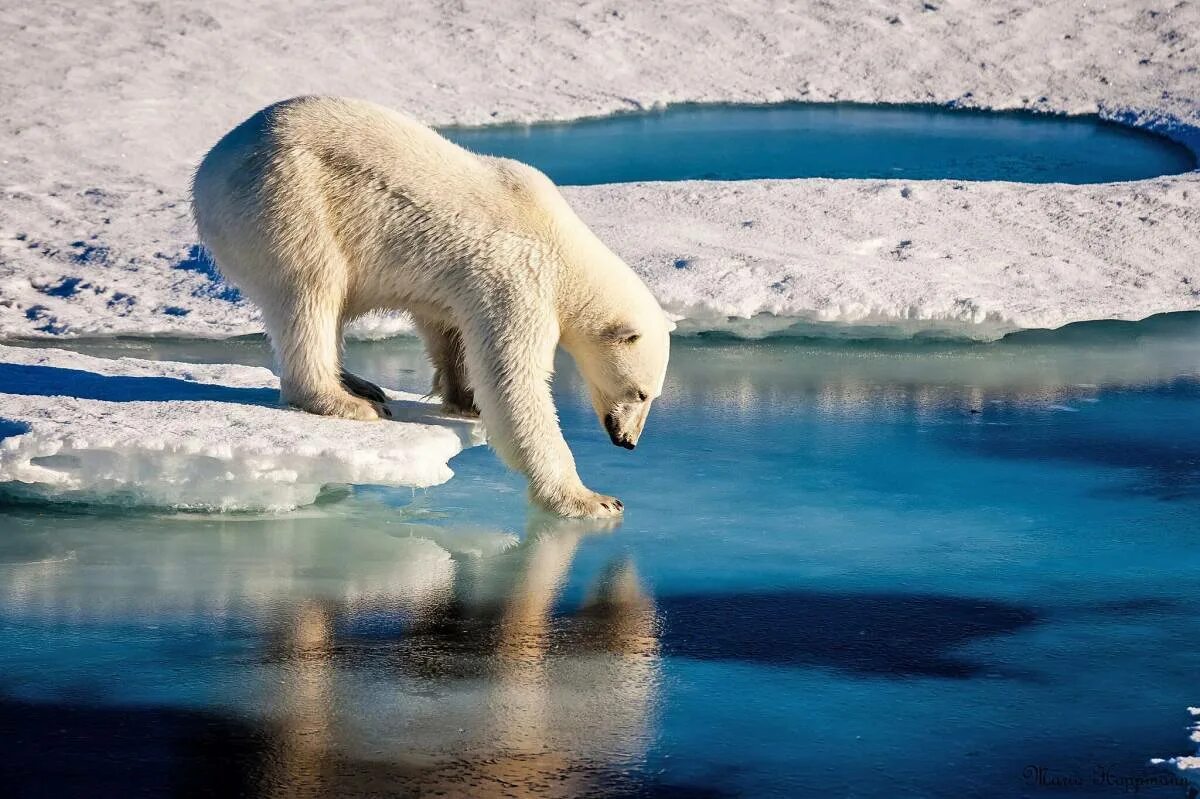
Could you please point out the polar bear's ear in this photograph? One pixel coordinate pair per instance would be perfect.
(623, 333)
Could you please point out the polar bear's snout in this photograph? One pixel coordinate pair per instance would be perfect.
(625, 421)
(625, 369)
(614, 432)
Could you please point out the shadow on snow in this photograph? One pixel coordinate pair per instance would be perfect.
(53, 381)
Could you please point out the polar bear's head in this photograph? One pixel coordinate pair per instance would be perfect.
(624, 366)
(609, 321)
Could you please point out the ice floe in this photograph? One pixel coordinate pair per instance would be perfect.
(1187, 765)
(96, 237)
(864, 257)
(197, 436)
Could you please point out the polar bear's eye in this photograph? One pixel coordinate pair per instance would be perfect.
(622, 334)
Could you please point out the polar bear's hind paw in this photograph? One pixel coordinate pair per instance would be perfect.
(345, 406)
(459, 408)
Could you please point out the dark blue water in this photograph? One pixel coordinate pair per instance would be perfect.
(868, 570)
(701, 142)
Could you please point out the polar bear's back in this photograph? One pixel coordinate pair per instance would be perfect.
(328, 140)
(362, 136)
(355, 163)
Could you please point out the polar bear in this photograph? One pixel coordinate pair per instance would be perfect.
(322, 209)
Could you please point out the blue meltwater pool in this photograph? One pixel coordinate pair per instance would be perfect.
(707, 142)
(869, 570)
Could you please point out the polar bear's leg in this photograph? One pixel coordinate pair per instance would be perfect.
(443, 343)
(307, 341)
(510, 363)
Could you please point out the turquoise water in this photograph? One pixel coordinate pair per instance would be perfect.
(704, 142)
(858, 569)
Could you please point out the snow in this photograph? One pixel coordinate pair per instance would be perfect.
(1187, 766)
(109, 106)
(197, 437)
(757, 257)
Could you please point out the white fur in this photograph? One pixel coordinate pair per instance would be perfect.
(323, 209)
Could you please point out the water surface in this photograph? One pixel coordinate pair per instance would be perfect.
(836, 140)
(869, 569)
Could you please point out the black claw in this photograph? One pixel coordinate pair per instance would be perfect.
(362, 388)
(620, 505)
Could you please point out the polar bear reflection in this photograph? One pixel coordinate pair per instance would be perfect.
(485, 693)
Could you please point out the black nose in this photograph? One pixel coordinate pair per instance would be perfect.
(614, 435)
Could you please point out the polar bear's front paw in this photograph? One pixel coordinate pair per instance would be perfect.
(587, 505)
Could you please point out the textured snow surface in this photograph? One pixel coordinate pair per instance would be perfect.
(1188, 765)
(754, 257)
(197, 436)
(108, 106)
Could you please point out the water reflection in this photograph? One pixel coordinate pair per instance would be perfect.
(828, 377)
(829, 529)
(906, 379)
(562, 699)
(83, 570)
(363, 660)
